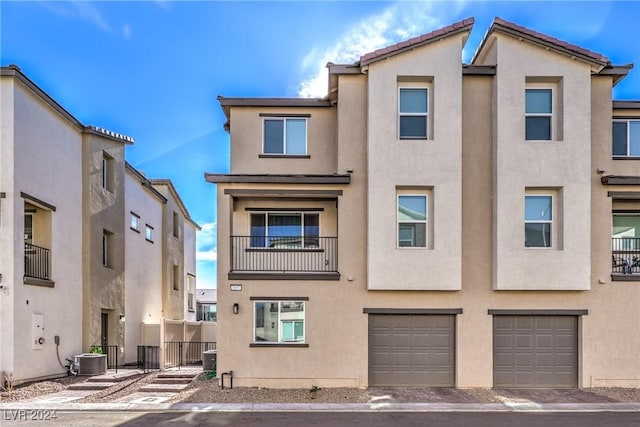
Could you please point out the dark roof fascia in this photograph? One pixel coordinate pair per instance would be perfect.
(520, 32)
(478, 70)
(14, 71)
(344, 68)
(618, 72)
(145, 182)
(626, 105)
(227, 103)
(176, 196)
(620, 180)
(450, 30)
(278, 179)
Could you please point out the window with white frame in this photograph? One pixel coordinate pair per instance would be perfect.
(288, 230)
(135, 219)
(148, 233)
(279, 321)
(626, 138)
(538, 114)
(412, 220)
(538, 220)
(413, 113)
(285, 136)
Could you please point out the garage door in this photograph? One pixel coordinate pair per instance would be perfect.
(411, 350)
(535, 351)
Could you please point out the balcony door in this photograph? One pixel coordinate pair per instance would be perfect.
(625, 242)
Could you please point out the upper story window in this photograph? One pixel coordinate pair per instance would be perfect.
(135, 219)
(148, 233)
(107, 248)
(288, 230)
(107, 172)
(626, 138)
(285, 136)
(176, 225)
(538, 114)
(412, 220)
(413, 113)
(538, 220)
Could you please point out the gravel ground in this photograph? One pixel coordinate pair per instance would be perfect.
(203, 390)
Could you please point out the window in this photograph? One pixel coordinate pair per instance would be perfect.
(279, 322)
(538, 221)
(107, 249)
(538, 114)
(412, 221)
(134, 222)
(413, 113)
(286, 136)
(626, 138)
(191, 297)
(207, 312)
(148, 233)
(289, 230)
(28, 227)
(107, 172)
(175, 278)
(176, 225)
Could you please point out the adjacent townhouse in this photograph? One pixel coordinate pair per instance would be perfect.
(90, 249)
(433, 223)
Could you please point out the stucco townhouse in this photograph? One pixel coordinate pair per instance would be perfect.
(433, 223)
(90, 249)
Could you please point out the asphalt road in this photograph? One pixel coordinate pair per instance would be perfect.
(308, 419)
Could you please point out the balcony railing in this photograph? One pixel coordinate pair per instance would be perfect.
(36, 261)
(625, 255)
(284, 254)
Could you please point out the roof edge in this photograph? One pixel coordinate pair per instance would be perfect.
(144, 182)
(176, 196)
(278, 179)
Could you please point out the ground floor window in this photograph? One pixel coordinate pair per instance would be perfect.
(279, 322)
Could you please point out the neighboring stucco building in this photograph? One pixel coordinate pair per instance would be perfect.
(74, 272)
(434, 223)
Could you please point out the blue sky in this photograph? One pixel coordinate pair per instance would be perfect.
(153, 69)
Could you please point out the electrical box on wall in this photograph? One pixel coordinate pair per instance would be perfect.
(37, 328)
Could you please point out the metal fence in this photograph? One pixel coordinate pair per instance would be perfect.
(36, 261)
(625, 255)
(148, 357)
(285, 253)
(112, 354)
(182, 353)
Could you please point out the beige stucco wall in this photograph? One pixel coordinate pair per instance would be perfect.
(172, 254)
(40, 155)
(190, 269)
(560, 166)
(143, 264)
(246, 145)
(434, 164)
(104, 287)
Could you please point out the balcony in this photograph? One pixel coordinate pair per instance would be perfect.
(284, 257)
(36, 265)
(625, 258)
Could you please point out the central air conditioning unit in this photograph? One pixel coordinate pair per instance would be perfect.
(209, 359)
(91, 364)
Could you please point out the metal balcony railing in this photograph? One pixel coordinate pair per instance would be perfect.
(625, 255)
(284, 254)
(36, 261)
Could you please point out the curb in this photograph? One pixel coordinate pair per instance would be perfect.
(329, 407)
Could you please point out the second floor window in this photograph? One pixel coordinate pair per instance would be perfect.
(538, 221)
(538, 114)
(148, 234)
(413, 113)
(412, 221)
(134, 222)
(285, 136)
(107, 172)
(287, 230)
(626, 138)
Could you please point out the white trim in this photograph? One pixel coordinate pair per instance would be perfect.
(279, 321)
(425, 115)
(553, 224)
(628, 138)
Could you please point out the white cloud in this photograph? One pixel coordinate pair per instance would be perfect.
(84, 10)
(210, 255)
(206, 242)
(398, 22)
